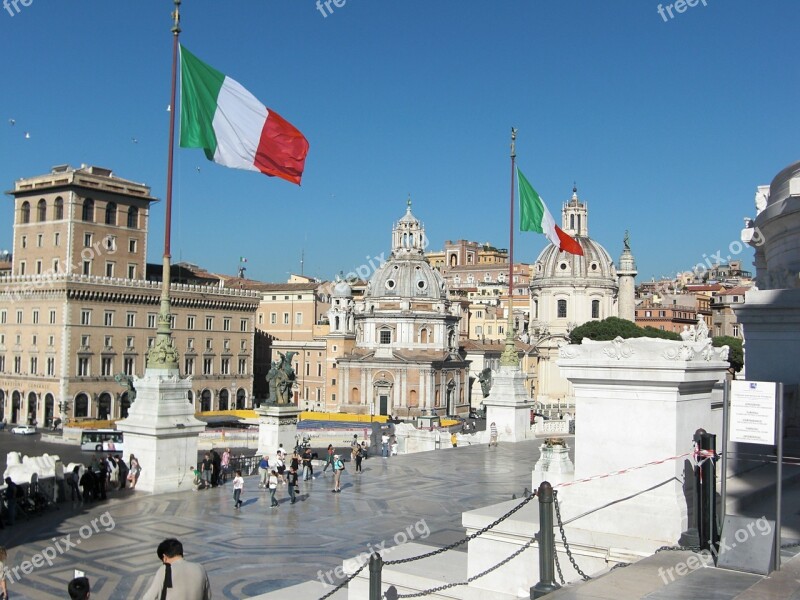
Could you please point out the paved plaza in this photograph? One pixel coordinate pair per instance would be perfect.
(257, 549)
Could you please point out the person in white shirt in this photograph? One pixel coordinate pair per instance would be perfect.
(238, 486)
(273, 487)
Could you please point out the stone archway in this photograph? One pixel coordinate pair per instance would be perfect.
(33, 401)
(104, 406)
(382, 396)
(124, 405)
(49, 408)
(16, 406)
(241, 399)
(223, 399)
(2, 405)
(205, 400)
(81, 406)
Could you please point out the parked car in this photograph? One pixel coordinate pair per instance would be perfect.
(24, 430)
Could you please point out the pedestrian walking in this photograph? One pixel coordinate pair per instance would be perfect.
(73, 481)
(238, 486)
(385, 445)
(329, 459)
(454, 439)
(226, 464)
(359, 457)
(493, 435)
(338, 467)
(263, 472)
(308, 468)
(206, 468)
(134, 470)
(280, 467)
(291, 480)
(273, 487)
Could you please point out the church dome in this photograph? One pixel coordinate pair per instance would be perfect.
(407, 274)
(342, 289)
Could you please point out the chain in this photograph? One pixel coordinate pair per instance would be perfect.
(791, 545)
(427, 592)
(470, 537)
(564, 539)
(345, 582)
(558, 568)
(621, 565)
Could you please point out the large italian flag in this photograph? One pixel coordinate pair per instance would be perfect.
(534, 216)
(233, 127)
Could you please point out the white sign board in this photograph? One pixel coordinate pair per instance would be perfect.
(753, 412)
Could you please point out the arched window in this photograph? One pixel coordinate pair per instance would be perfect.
(25, 213)
(562, 309)
(111, 213)
(87, 214)
(81, 405)
(595, 309)
(133, 217)
(41, 210)
(59, 209)
(423, 336)
(355, 397)
(453, 260)
(572, 221)
(412, 399)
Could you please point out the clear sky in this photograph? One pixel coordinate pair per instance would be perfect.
(667, 124)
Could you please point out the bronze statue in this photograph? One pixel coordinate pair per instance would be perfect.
(126, 381)
(627, 240)
(486, 381)
(280, 379)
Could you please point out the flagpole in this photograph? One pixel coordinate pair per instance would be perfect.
(509, 356)
(163, 354)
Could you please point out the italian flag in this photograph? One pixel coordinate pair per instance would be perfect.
(534, 216)
(233, 127)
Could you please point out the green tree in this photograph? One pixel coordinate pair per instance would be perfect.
(612, 327)
(735, 354)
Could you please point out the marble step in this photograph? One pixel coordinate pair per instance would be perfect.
(309, 590)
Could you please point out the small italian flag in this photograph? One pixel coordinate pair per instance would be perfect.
(534, 216)
(233, 127)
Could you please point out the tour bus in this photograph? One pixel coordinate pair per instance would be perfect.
(101, 440)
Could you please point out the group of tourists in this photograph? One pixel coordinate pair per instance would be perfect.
(91, 483)
(214, 469)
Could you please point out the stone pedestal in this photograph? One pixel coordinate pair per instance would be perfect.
(277, 424)
(161, 431)
(637, 400)
(508, 405)
(553, 465)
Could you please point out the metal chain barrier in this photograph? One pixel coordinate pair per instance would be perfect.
(345, 582)
(790, 545)
(558, 568)
(446, 586)
(472, 536)
(564, 540)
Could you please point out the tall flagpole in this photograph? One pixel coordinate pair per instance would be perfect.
(509, 356)
(163, 354)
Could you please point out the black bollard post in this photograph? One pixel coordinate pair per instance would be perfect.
(706, 492)
(375, 566)
(547, 546)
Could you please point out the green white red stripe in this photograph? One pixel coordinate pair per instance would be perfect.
(233, 127)
(534, 216)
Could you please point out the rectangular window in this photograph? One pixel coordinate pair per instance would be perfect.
(132, 246)
(33, 341)
(226, 366)
(190, 343)
(84, 341)
(386, 336)
(87, 267)
(129, 341)
(273, 318)
(56, 265)
(17, 364)
(51, 366)
(56, 239)
(34, 365)
(319, 369)
(106, 366)
(3, 317)
(52, 317)
(243, 325)
(226, 324)
(86, 317)
(38, 267)
(208, 366)
(2, 364)
(562, 309)
(35, 317)
(208, 343)
(735, 329)
(130, 319)
(172, 320)
(242, 366)
(308, 367)
(87, 240)
(109, 269)
(24, 241)
(19, 317)
(127, 365)
(39, 240)
(83, 366)
(108, 318)
(131, 271)
(51, 340)
(242, 344)
(151, 341)
(151, 320)
(209, 323)
(107, 341)
(188, 366)
(333, 381)
(111, 242)
(285, 318)
(190, 322)
(226, 344)
(298, 318)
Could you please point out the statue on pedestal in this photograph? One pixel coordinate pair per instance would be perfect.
(280, 378)
(126, 381)
(486, 381)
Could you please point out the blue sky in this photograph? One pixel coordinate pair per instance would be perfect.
(666, 126)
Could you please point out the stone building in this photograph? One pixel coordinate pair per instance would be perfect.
(78, 308)
(567, 290)
(405, 358)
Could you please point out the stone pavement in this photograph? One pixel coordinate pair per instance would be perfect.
(257, 549)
